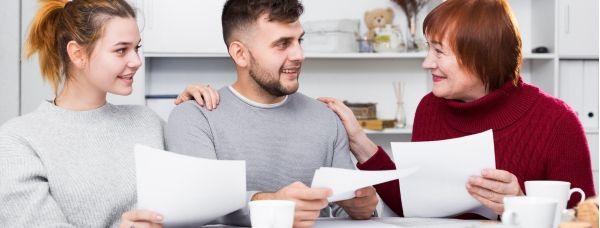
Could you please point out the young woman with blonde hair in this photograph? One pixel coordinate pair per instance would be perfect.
(70, 162)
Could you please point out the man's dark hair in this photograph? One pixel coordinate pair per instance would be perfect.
(239, 14)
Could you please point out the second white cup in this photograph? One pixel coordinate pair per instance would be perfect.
(560, 191)
(272, 213)
(528, 212)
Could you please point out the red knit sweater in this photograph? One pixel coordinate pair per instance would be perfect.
(536, 137)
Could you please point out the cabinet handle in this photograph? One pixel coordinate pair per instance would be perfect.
(590, 114)
(567, 19)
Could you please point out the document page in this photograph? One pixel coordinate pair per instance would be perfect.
(188, 190)
(344, 182)
(438, 188)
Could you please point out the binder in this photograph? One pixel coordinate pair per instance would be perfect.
(589, 115)
(578, 88)
(571, 83)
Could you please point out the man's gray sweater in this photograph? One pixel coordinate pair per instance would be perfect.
(280, 143)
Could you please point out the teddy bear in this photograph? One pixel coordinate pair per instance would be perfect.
(378, 18)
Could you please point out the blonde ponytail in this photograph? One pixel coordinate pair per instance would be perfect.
(42, 39)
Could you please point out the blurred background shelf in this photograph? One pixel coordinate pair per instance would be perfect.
(391, 131)
(387, 55)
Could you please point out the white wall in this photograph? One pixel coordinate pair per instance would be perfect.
(33, 88)
(9, 60)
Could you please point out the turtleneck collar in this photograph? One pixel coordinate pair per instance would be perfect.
(496, 110)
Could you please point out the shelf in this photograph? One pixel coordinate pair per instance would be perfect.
(408, 130)
(406, 55)
(578, 57)
(390, 131)
(402, 55)
(591, 130)
(161, 96)
(187, 55)
(539, 56)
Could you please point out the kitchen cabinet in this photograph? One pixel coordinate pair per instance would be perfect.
(578, 29)
(182, 26)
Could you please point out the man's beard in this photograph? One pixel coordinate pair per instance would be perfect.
(269, 82)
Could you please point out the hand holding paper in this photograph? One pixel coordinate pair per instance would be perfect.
(344, 182)
(446, 165)
(188, 190)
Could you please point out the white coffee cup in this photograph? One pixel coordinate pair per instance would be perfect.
(272, 213)
(528, 212)
(560, 191)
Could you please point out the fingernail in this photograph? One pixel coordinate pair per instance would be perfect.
(159, 217)
(484, 172)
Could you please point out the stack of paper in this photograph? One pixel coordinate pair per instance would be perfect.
(188, 190)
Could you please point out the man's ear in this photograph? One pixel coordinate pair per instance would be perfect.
(239, 53)
(77, 54)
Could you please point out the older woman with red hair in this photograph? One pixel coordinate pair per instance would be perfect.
(474, 59)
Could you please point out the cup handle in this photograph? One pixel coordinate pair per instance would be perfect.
(508, 217)
(578, 190)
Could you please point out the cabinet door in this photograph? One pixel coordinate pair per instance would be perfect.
(182, 26)
(578, 28)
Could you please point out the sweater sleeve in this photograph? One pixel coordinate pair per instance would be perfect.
(188, 132)
(569, 156)
(388, 191)
(24, 191)
(341, 150)
(340, 159)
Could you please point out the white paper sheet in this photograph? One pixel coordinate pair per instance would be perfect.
(188, 190)
(438, 188)
(344, 182)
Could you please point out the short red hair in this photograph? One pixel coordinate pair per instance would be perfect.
(484, 36)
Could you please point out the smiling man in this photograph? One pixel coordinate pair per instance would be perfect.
(283, 136)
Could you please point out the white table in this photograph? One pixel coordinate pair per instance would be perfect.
(397, 222)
